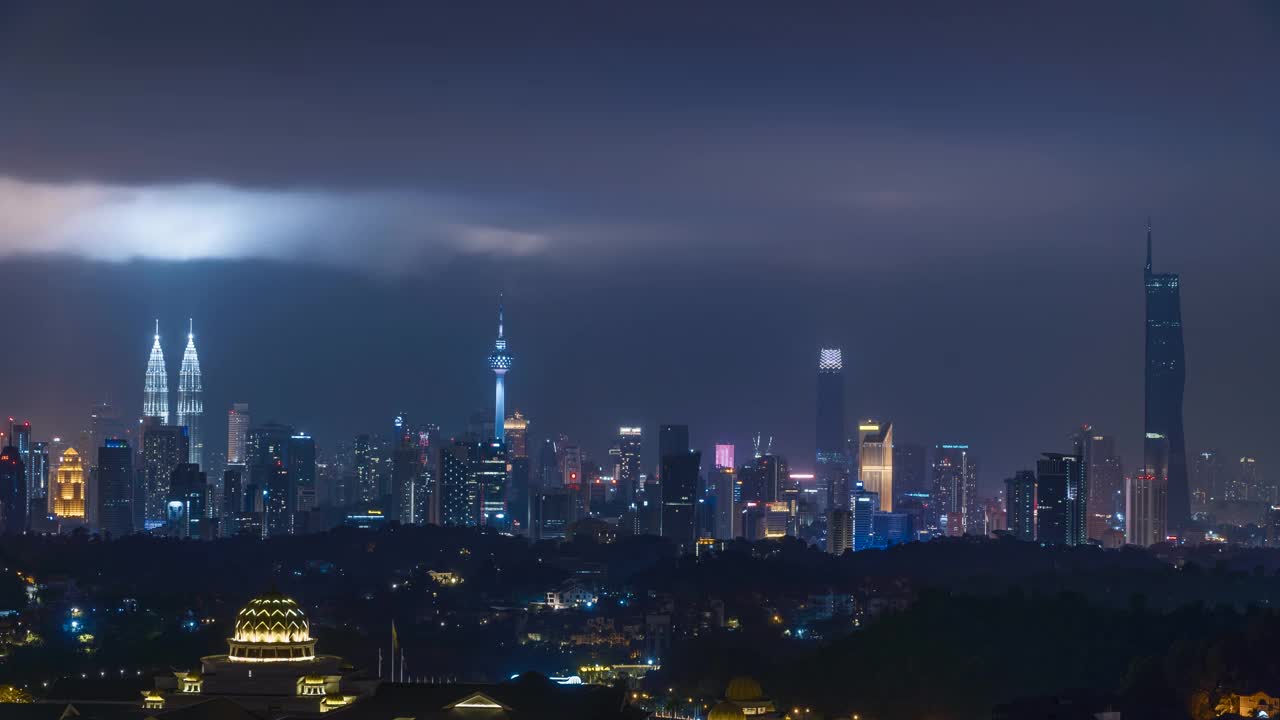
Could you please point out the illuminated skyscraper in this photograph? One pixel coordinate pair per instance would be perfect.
(955, 490)
(500, 362)
(190, 402)
(366, 490)
(155, 397)
(832, 469)
(630, 441)
(1061, 499)
(68, 487)
(237, 430)
(164, 447)
(1165, 455)
(516, 432)
(875, 464)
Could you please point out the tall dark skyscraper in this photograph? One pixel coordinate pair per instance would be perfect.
(302, 470)
(831, 471)
(1164, 448)
(115, 487)
(187, 506)
(672, 440)
(680, 496)
(1061, 499)
(1020, 505)
(627, 472)
(13, 492)
(460, 484)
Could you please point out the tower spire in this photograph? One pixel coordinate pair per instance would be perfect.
(1148, 244)
(155, 401)
(500, 304)
(190, 400)
(499, 362)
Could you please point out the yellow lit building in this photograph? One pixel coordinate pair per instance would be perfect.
(747, 695)
(875, 462)
(68, 487)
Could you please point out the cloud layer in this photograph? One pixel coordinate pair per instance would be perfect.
(208, 221)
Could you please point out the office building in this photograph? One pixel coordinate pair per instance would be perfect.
(13, 491)
(269, 465)
(302, 471)
(628, 462)
(552, 510)
(1145, 507)
(865, 506)
(237, 433)
(499, 361)
(1164, 447)
(191, 400)
(724, 484)
(20, 440)
(164, 447)
(1255, 488)
(549, 465)
(679, 478)
(672, 440)
(954, 493)
(517, 435)
(115, 487)
(839, 530)
(187, 506)
(1054, 508)
(155, 396)
(875, 464)
(68, 487)
(1020, 505)
(910, 468)
(891, 528)
(38, 474)
(366, 489)
(459, 484)
(831, 469)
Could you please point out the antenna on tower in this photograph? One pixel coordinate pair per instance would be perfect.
(191, 328)
(157, 328)
(1148, 243)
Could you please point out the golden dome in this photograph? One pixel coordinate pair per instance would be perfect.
(272, 627)
(725, 710)
(742, 689)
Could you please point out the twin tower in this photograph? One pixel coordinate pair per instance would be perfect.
(155, 399)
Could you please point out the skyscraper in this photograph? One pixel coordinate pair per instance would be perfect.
(672, 440)
(188, 501)
(875, 464)
(366, 490)
(1145, 505)
(500, 362)
(20, 439)
(679, 478)
(832, 467)
(190, 402)
(164, 447)
(516, 432)
(630, 442)
(269, 472)
(1164, 448)
(1210, 477)
(13, 491)
(955, 490)
(839, 531)
(1020, 504)
(460, 484)
(1061, 500)
(115, 487)
(237, 429)
(68, 488)
(155, 396)
(302, 470)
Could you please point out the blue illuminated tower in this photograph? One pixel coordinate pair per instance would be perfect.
(500, 363)
(190, 404)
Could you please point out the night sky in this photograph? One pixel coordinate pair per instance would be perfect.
(682, 202)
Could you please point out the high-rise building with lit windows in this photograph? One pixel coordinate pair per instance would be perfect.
(237, 432)
(190, 398)
(875, 464)
(115, 487)
(499, 361)
(164, 447)
(627, 462)
(516, 432)
(155, 396)
(955, 490)
(1165, 455)
(68, 487)
(831, 471)
(1020, 505)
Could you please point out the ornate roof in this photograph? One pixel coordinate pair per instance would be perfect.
(743, 689)
(272, 627)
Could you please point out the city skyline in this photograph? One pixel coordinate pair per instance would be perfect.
(651, 213)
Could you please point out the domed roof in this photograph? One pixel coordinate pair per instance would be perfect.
(271, 628)
(272, 618)
(742, 689)
(726, 710)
